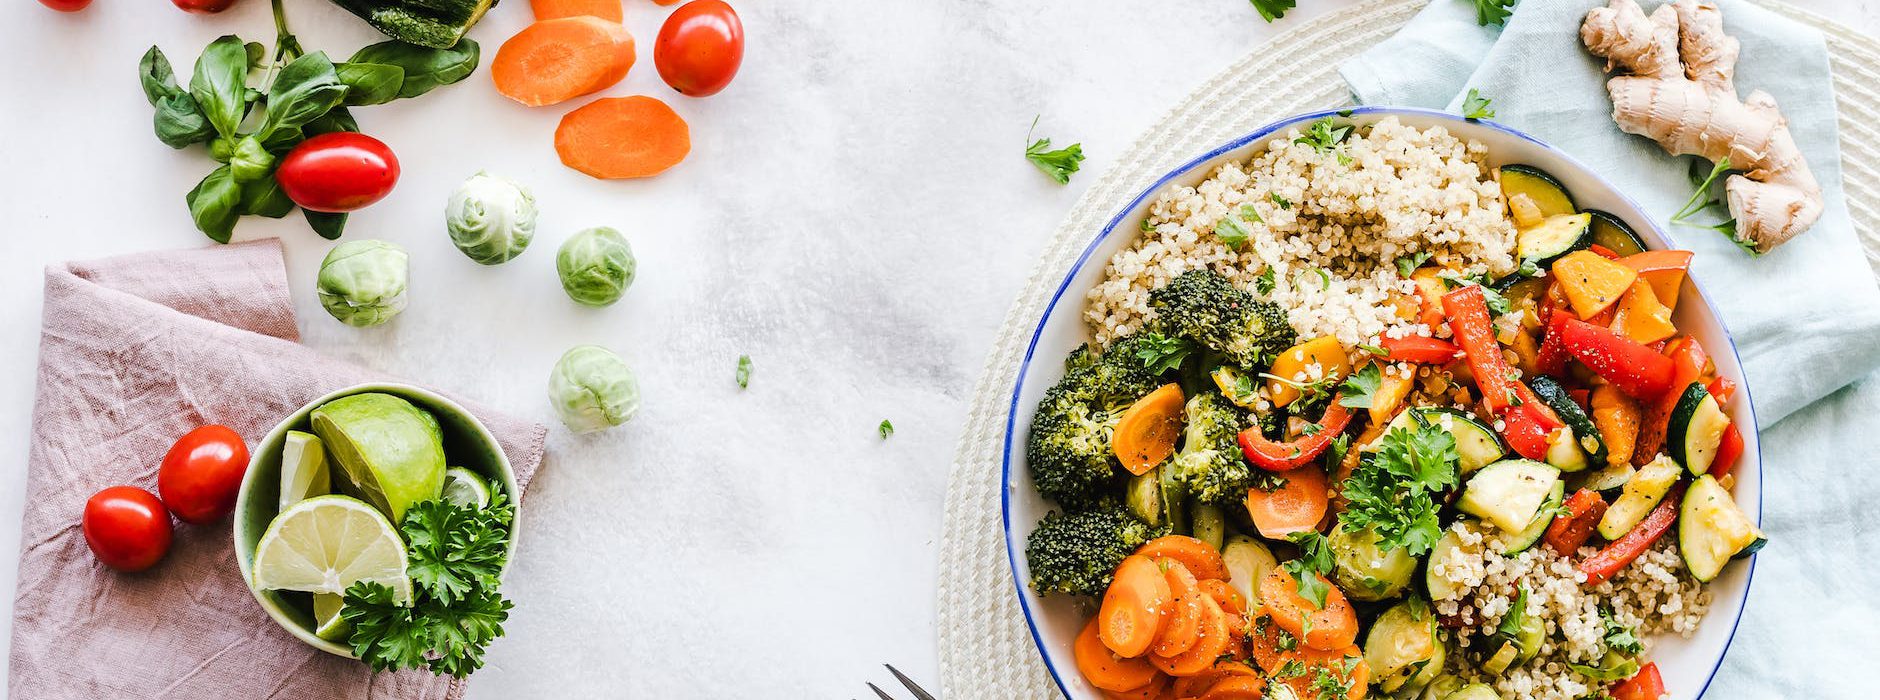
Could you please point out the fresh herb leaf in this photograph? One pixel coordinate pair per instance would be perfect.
(1291, 669)
(454, 554)
(1475, 106)
(1271, 10)
(1281, 201)
(1700, 195)
(1308, 390)
(454, 550)
(744, 372)
(424, 69)
(218, 83)
(1312, 588)
(1619, 637)
(1162, 353)
(370, 83)
(1335, 453)
(1409, 263)
(1511, 623)
(328, 224)
(1058, 164)
(1329, 686)
(1263, 285)
(1494, 12)
(1147, 227)
(1393, 490)
(1251, 214)
(1314, 551)
(303, 91)
(1357, 390)
(1324, 135)
(215, 204)
(886, 429)
(1230, 232)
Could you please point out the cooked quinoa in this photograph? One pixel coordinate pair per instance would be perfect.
(1328, 225)
(1653, 595)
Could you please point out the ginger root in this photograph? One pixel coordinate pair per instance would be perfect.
(1672, 82)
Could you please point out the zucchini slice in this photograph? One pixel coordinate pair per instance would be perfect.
(1548, 195)
(1401, 646)
(1366, 571)
(1556, 397)
(1517, 542)
(1611, 233)
(1441, 588)
(1712, 529)
(1564, 453)
(1609, 477)
(1696, 429)
(1144, 497)
(1642, 493)
(1508, 493)
(1248, 560)
(1476, 444)
(1553, 237)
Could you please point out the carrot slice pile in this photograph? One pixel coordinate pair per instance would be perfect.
(560, 59)
(1202, 560)
(622, 137)
(1334, 663)
(1207, 648)
(1333, 627)
(1145, 434)
(1104, 669)
(1183, 626)
(1296, 506)
(1134, 607)
(609, 10)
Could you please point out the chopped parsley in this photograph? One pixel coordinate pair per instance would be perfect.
(1161, 353)
(1324, 135)
(886, 429)
(1229, 231)
(1394, 490)
(1264, 283)
(1495, 12)
(1272, 9)
(1475, 106)
(1315, 560)
(744, 371)
(1511, 623)
(1058, 164)
(1283, 202)
(1146, 226)
(455, 554)
(1619, 637)
(1357, 390)
(1409, 263)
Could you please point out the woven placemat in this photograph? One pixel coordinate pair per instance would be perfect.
(986, 651)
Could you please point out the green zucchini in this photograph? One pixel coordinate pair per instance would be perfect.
(1642, 493)
(1548, 195)
(1476, 444)
(1517, 542)
(438, 24)
(1609, 477)
(1441, 588)
(1611, 233)
(1144, 497)
(1564, 453)
(1402, 645)
(1553, 237)
(1473, 691)
(1712, 530)
(1248, 560)
(1696, 429)
(1366, 571)
(1556, 397)
(1508, 493)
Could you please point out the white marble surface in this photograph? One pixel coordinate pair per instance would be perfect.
(855, 215)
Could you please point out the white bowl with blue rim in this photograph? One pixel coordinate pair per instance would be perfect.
(1688, 665)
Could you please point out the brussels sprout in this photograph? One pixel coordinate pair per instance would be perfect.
(362, 283)
(491, 218)
(1366, 571)
(593, 389)
(596, 266)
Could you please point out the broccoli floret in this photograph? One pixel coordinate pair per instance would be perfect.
(1211, 462)
(1069, 446)
(1204, 307)
(1076, 553)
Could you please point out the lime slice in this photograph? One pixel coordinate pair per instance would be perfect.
(463, 487)
(303, 469)
(328, 625)
(390, 451)
(326, 543)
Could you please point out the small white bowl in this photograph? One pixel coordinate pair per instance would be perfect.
(1687, 664)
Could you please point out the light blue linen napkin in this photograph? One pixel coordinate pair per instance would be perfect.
(1806, 317)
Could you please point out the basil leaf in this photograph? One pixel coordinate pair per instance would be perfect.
(425, 68)
(256, 54)
(214, 204)
(250, 162)
(338, 119)
(328, 225)
(264, 197)
(179, 123)
(158, 79)
(302, 92)
(370, 83)
(221, 76)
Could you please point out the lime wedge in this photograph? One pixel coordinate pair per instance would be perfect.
(463, 487)
(328, 625)
(390, 451)
(303, 469)
(326, 543)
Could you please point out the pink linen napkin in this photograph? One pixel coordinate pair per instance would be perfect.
(134, 352)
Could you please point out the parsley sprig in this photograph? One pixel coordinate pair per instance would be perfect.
(1058, 164)
(454, 557)
(1394, 490)
(1315, 560)
(1475, 106)
(1271, 10)
(1161, 353)
(1494, 12)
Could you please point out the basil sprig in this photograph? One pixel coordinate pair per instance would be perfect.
(299, 95)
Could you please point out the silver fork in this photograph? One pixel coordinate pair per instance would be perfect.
(919, 693)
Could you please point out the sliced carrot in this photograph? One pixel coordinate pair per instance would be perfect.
(1202, 560)
(1238, 624)
(1333, 626)
(560, 59)
(1104, 669)
(1237, 688)
(1195, 685)
(1183, 625)
(1225, 594)
(1264, 644)
(1317, 662)
(1207, 649)
(1134, 607)
(622, 137)
(556, 9)
(1296, 506)
(1145, 434)
(1156, 689)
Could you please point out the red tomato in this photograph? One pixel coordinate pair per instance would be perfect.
(127, 528)
(202, 473)
(202, 7)
(66, 5)
(699, 47)
(338, 172)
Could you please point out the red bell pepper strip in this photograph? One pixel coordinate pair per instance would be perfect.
(1727, 451)
(1551, 360)
(1633, 368)
(1603, 251)
(1418, 349)
(1723, 389)
(1644, 685)
(1468, 316)
(1526, 429)
(1286, 456)
(1571, 529)
(1622, 551)
(1688, 361)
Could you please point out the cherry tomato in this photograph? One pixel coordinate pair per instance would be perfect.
(127, 528)
(66, 5)
(202, 473)
(202, 7)
(699, 47)
(338, 172)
